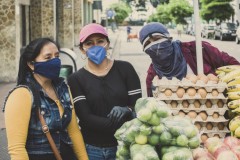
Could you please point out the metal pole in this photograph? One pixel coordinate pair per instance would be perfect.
(237, 10)
(198, 37)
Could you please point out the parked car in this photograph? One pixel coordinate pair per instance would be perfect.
(208, 31)
(238, 35)
(225, 31)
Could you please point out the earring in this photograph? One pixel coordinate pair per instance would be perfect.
(83, 57)
(108, 53)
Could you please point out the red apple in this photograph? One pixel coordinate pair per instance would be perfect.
(231, 141)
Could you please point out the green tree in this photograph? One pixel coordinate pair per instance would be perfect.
(175, 11)
(216, 10)
(153, 18)
(155, 3)
(122, 11)
(163, 14)
(179, 10)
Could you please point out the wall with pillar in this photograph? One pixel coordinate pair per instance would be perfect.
(36, 19)
(7, 41)
(77, 20)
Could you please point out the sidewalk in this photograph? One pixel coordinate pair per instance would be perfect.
(6, 87)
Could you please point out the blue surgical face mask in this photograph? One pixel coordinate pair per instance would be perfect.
(49, 69)
(97, 54)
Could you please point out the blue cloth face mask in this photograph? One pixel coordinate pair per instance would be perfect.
(97, 54)
(167, 58)
(161, 52)
(49, 69)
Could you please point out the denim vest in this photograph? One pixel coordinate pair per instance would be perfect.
(37, 142)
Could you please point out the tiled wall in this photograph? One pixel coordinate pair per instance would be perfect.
(35, 19)
(77, 21)
(7, 41)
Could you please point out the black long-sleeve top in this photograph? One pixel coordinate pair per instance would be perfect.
(94, 97)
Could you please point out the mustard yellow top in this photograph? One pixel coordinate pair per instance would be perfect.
(17, 116)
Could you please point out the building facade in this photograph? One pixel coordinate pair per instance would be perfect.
(24, 20)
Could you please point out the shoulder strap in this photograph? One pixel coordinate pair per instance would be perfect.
(45, 130)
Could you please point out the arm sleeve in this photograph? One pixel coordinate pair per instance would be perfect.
(17, 116)
(216, 57)
(76, 137)
(150, 75)
(85, 115)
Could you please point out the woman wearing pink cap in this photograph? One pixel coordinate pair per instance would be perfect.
(104, 93)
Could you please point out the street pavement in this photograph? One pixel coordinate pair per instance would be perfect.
(120, 49)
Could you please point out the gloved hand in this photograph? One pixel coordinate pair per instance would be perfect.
(117, 113)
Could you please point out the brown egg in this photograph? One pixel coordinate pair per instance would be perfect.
(192, 114)
(185, 104)
(215, 115)
(192, 77)
(168, 92)
(215, 93)
(220, 126)
(208, 104)
(202, 92)
(191, 91)
(220, 103)
(212, 77)
(180, 92)
(174, 104)
(203, 77)
(197, 104)
(209, 126)
(198, 125)
(203, 115)
(217, 135)
(204, 137)
(181, 113)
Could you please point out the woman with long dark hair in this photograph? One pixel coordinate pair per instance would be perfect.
(40, 92)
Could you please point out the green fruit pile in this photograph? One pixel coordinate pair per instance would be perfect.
(155, 126)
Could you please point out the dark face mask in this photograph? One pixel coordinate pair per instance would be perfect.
(161, 52)
(49, 69)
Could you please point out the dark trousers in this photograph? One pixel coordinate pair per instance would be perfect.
(66, 154)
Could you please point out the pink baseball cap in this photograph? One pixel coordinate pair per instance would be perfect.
(90, 29)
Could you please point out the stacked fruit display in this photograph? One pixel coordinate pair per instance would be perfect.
(231, 75)
(200, 98)
(156, 134)
(216, 149)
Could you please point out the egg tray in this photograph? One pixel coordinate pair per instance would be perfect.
(220, 87)
(214, 130)
(213, 107)
(162, 96)
(220, 111)
(210, 119)
(222, 135)
(163, 84)
(202, 101)
(215, 127)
